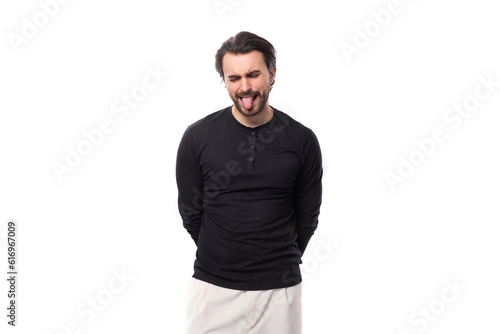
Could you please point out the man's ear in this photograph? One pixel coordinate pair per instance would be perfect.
(272, 75)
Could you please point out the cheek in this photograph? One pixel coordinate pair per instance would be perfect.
(232, 92)
(230, 89)
(263, 85)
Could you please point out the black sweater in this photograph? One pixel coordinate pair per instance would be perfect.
(249, 198)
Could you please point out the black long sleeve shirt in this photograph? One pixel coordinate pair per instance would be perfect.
(250, 198)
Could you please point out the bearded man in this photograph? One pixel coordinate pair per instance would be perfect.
(249, 182)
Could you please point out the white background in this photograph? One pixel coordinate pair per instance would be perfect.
(117, 209)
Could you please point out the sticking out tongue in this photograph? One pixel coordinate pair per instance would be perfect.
(247, 102)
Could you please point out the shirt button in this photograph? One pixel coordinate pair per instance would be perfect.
(253, 133)
(250, 159)
(252, 147)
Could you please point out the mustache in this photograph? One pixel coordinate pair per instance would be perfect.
(248, 93)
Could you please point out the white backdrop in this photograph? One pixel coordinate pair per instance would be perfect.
(402, 95)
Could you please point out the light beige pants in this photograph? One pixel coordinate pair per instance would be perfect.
(211, 309)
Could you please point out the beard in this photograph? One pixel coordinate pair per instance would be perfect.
(256, 108)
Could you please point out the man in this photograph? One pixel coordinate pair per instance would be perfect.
(249, 181)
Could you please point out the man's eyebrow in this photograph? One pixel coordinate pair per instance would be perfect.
(254, 72)
(235, 76)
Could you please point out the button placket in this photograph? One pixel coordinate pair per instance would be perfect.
(251, 158)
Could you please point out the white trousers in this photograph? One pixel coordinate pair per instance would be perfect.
(211, 309)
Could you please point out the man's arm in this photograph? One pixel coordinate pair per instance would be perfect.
(308, 192)
(189, 185)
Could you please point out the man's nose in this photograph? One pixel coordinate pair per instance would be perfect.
(245, 84)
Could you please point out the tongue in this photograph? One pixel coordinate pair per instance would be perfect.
(247, 102)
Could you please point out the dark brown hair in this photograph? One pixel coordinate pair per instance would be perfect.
(245, 42)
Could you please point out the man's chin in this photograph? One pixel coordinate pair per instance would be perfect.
(249, 112)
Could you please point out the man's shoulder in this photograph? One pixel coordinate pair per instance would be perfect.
(302, 138)
(211, 119)
(291, 125)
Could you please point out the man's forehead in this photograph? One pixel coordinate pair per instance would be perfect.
(243, 63)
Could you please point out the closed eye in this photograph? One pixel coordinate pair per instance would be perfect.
(253, 74)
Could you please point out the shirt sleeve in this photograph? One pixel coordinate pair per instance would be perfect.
(189, 185)
(308, 192)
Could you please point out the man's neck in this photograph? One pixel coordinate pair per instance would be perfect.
(253, 121)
